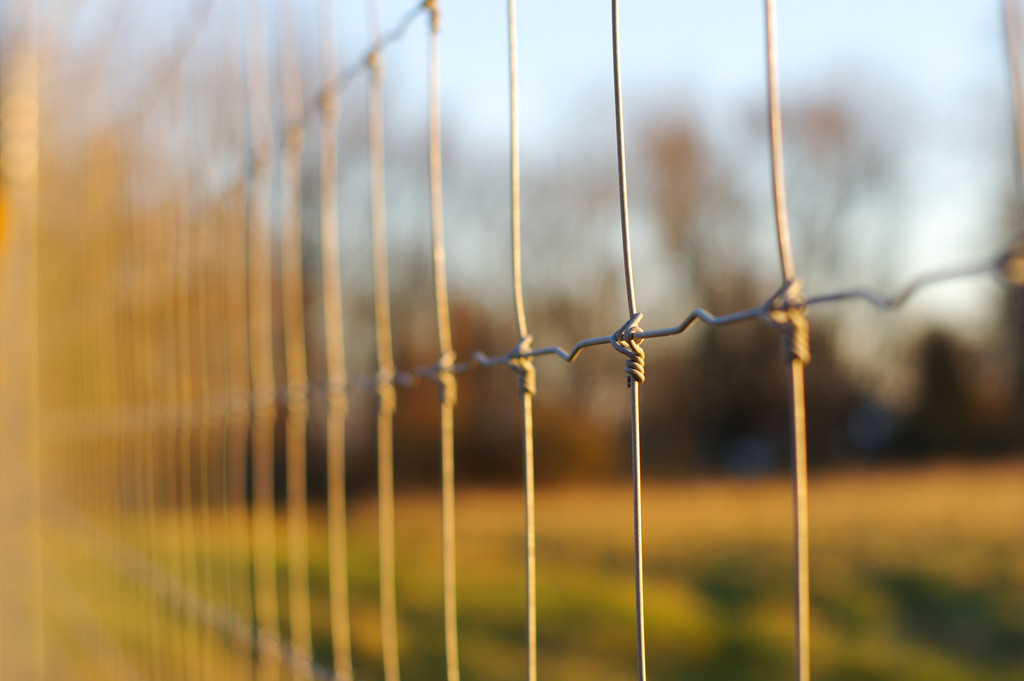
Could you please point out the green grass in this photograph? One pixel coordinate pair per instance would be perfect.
(916, 575)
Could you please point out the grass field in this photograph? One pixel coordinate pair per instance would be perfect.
(916, 574)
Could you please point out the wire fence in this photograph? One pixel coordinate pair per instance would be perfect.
(156, 348)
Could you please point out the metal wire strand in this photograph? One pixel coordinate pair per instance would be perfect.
(200, 15)
(334, 345)
(1007, 267)
(1011, 19)
(296, 373)
(522, 363)
(274, 139)
(150, 436)
(187, 423)
(445, 377)
(796, 343)
(261, 350)
(200, 353)
(22, 420)
(235, 355)
(629, 344)
(385, 361)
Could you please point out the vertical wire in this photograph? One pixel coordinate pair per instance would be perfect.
(126, 592)
(136, 397)
(130, 592)
(197, 222)
(513, 96)
(446, 378)
(634, 383)
(627, 258)
(211, 311)
(99, 466)
(212, 109)
(103, 381)
(125, 327)
(139, 445)
(234, 484)
(101, 473)
(141, 503)
(93, 588)
(30, 195)
(236, 353)
(524, 364)
(20, 493)
(261, 350)
(81, 464)
(186, 394)
(775, 137)
(797, 359)
(385, 360)
(95, 473)
(74, 473)
(176, 511)
(334, 339)
(8, 345)
(21, 174)
(1011, 17)
(151, 420)
(802, 613)
(293, 308)
(173, 512)
(194, 221)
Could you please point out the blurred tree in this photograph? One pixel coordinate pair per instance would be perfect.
(836, 161)
(729, 393)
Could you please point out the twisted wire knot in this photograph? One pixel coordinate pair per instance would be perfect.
(293, 136)
(297, 398)
(520, 361)
(376, 64)
(264, 402)
(329, 102)
(337, 396)
(238, 404)
(262, 154)
(385, 388)
(434, 7)
(445, 378)
(1011, 265)
(625, 341)
(786, 311)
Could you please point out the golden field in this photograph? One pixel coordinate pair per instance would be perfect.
(917, 574)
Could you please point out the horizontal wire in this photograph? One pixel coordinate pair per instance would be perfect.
(337, 83)
(233, 402)
(267, 148)
(332, 86)
(924, 281)
(201, 12)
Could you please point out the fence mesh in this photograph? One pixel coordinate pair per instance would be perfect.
(165, 228)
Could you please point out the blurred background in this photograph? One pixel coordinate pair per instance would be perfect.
(126, 260)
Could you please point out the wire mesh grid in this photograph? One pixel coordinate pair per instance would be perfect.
(155, 358)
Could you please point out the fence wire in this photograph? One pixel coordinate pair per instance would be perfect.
(141, 526)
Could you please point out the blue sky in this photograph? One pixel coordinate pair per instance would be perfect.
(705, 55)
(933, 74)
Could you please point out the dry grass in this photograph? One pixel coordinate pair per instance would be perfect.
(917, 574)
